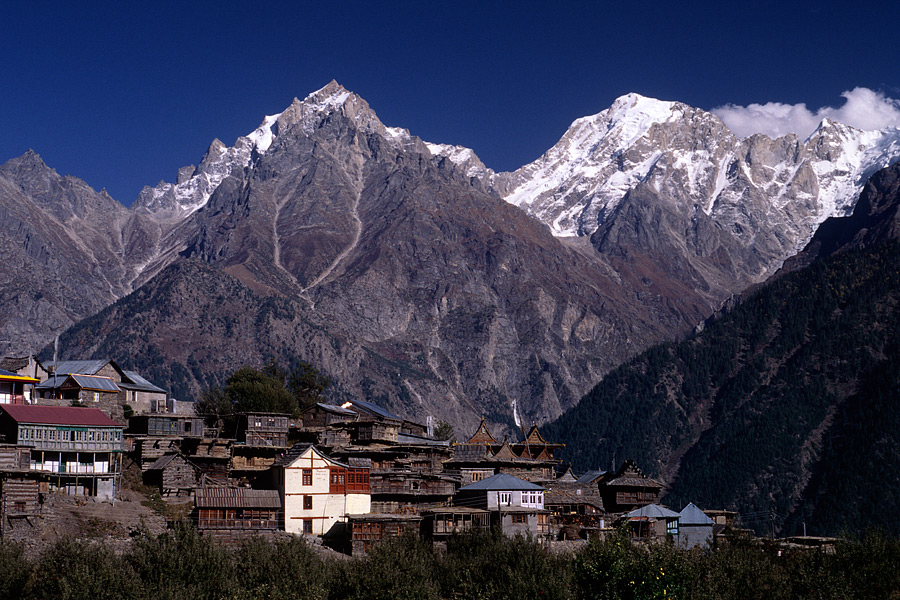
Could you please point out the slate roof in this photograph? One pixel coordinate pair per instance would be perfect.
(234, 497)
(163, 461)
(419, 440)
(501, 482)
(652, 511)
(470, 452)
(140, 384)
(58, 415)
(629, 474)
(13, 363)
(590, 477)
(691, 515)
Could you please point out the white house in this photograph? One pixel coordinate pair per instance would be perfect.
(515, 504)
(318, 492)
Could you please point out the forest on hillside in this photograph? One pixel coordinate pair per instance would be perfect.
(783, 408)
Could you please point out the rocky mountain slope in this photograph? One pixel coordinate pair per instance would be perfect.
(382, 249)
(782, 406)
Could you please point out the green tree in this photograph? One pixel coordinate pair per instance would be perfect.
(307, 384)
(251, 390)
(444, 431)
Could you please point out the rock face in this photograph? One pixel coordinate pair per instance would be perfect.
(397, 266)
(783, 405)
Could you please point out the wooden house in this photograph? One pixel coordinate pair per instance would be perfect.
(166, 425)
(628, 488)
(15, 388)
(369, 529)
(321, 415)
(368, 411)
(263, 430)
(231, 514)
(516, 505)
(319, 492)
(79, 448)
(652, 523)
(174, 475)
(439, 523)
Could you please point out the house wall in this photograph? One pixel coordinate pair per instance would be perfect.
(531, 526)
(534, 499)
(327, 508)
(695, 535)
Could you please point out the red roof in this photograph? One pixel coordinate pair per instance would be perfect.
(58, 415)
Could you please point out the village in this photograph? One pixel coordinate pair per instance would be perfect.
(347, 476)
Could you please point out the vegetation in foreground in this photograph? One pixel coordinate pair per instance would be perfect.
(183, 565)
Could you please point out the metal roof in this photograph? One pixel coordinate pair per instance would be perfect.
(340, 410)
(653, 511)
(233, 497)
(94, 382)
(501, 482)
(139, 383)
(691, 515)
(375, 410)
(58, 415)
(10, 376)
(87, 367)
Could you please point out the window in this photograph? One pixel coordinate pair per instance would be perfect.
(307, 477)
(307, 525)
(672, 527)
(531, 498)
(505, 498)
(518, 519)
(307, 503)
(96, 396)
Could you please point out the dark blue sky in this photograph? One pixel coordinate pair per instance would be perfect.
(122, 94)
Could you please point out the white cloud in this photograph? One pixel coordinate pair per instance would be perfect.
(862, 108)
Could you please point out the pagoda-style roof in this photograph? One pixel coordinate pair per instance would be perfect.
(482, 435)
(629, 475)
(505, 453)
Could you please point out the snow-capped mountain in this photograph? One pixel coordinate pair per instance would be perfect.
(404, 267)
(576, 184)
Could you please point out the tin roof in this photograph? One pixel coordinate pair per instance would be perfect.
(338, 410)
(691, 515)
(501, 482)
(95, 383)
(375, 410)
(58, 415)
(234, 497)
(10, 376)
(652, 511)
(87, 367)
(136, 382)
